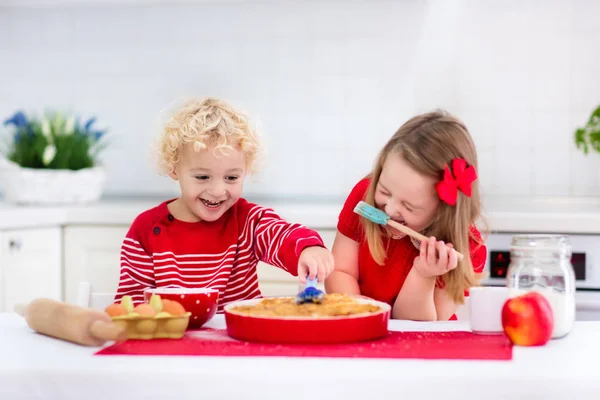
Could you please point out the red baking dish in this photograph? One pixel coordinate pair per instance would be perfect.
(307, 330)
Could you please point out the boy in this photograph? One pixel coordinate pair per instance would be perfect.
(210, 236)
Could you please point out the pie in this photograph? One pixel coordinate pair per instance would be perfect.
(333, 305)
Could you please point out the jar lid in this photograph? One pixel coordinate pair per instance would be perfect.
(541, 242)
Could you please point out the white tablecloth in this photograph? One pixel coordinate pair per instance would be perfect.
(33, 366)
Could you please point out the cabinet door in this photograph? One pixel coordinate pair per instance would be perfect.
(92, 254)
(31, 265)
(274, 281)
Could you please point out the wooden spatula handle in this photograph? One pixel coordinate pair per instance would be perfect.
(415, 234)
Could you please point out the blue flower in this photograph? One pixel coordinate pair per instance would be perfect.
(19, 120)
(98, 135)
(89, 124)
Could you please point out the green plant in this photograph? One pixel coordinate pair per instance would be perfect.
(589, 135)
(53, 141)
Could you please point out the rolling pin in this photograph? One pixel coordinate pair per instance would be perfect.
(84, 326)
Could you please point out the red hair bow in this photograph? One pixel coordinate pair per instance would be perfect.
(462, 180)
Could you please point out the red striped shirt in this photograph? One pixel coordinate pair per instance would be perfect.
(161, 251)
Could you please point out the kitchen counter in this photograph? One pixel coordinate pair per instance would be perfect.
(35, 366)
(552, 215)
(123, 210)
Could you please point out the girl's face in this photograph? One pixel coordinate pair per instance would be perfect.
(210, 185)
(405, 195)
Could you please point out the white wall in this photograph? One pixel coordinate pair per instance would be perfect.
(329, 81)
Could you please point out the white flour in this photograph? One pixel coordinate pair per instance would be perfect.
(563, 308)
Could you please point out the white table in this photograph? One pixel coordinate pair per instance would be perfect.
(33, 366)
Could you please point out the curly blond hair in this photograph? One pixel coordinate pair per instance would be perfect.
(206, 122)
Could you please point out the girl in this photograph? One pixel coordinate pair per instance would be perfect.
(210, 236)
(425, 178)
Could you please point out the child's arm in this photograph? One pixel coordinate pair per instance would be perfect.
(280, 243)
(420, 298)
(445, 307)
(137, 269)
(345, 277)
(416, 300)
(346, 245)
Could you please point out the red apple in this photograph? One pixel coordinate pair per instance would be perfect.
(528, 319)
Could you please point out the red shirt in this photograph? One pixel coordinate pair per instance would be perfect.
(383, 282)
(161, 251)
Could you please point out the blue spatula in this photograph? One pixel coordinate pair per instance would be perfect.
(310, 294)
(379, 217)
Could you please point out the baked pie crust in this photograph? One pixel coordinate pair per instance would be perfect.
(333, 305)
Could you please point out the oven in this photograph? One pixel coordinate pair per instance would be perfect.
(585, 259)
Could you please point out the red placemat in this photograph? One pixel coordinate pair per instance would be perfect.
(424, 345)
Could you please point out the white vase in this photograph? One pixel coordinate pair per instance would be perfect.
(50, 186)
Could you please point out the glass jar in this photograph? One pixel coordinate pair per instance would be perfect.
(542, 263)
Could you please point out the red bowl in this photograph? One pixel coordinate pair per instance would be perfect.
(308, 330)
(201, 302)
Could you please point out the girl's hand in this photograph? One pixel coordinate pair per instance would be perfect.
(314, 262)
(435, 258)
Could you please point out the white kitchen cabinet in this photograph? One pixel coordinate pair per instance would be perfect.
(92, 254)
(30, 266)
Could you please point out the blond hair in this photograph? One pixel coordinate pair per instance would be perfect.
(429, 142)
(203, 123)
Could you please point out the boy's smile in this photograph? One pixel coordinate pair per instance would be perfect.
(210, 181)
(212, 204)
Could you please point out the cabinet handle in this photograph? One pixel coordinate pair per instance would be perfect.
(15, 244)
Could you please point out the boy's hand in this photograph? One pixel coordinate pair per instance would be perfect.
(315, 261)
(435, 258)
